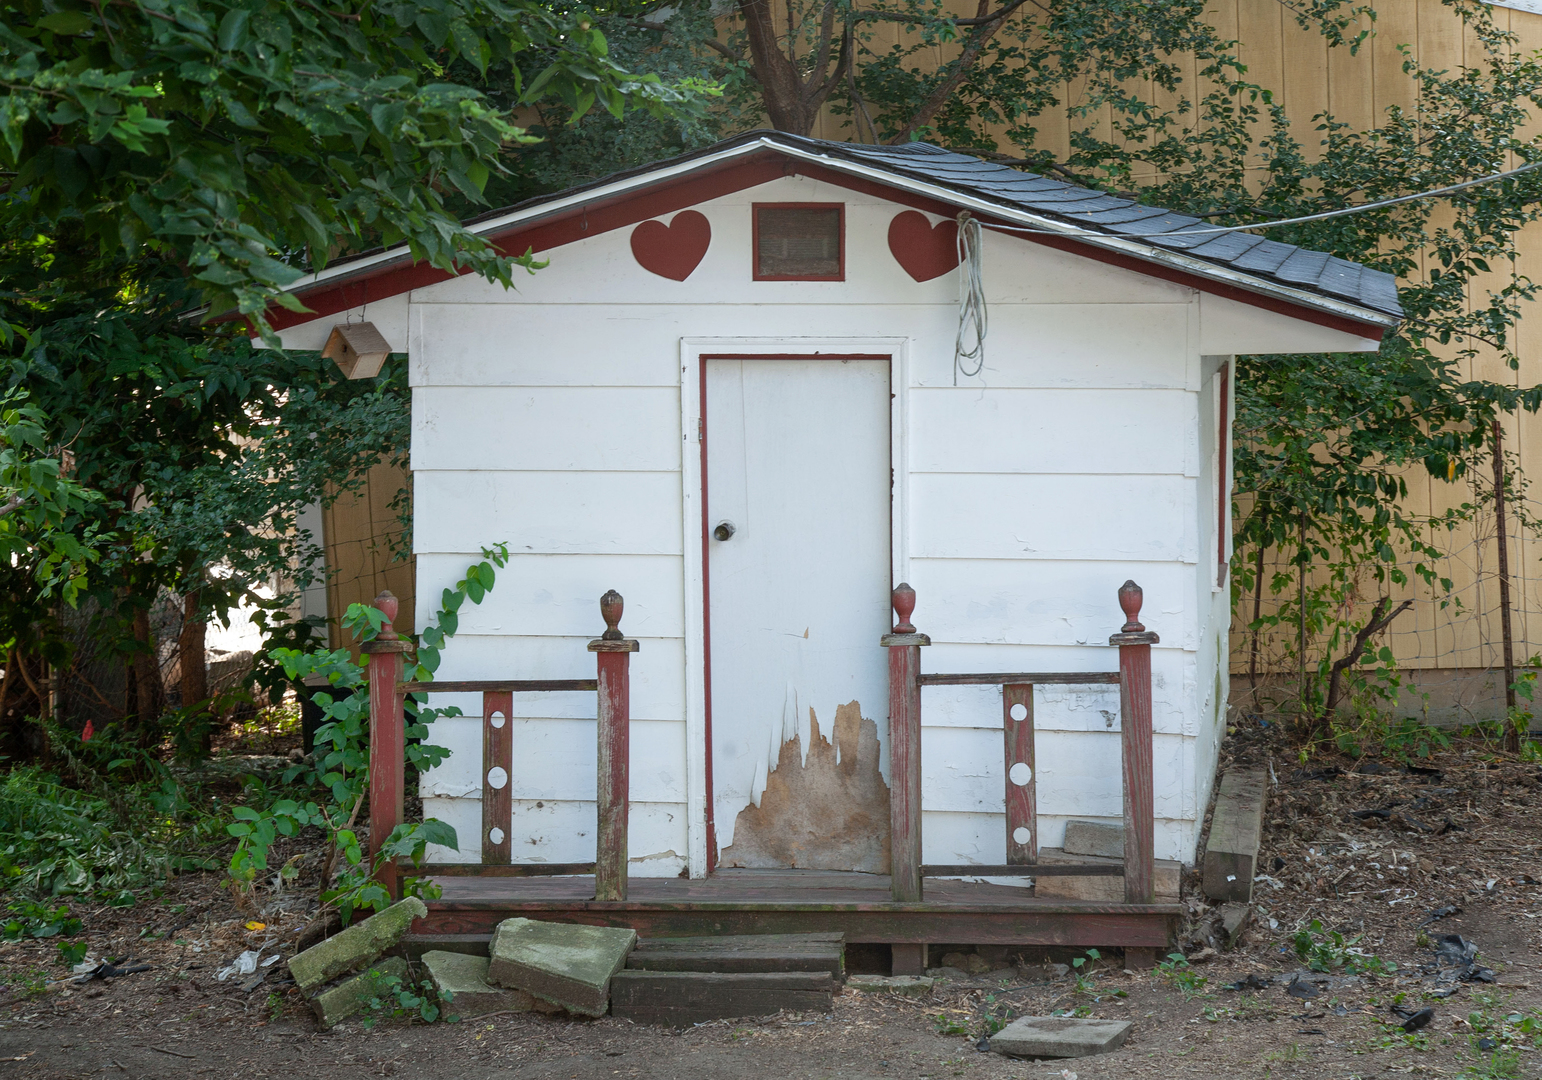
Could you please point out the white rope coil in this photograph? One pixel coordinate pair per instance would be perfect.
(973, 321)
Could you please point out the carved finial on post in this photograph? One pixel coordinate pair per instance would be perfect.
(388, 605)
(904, 600)
(1130, 598)
(611, 606)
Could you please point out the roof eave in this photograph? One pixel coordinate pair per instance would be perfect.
(573, 199)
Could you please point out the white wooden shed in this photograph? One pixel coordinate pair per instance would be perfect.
(733, 396)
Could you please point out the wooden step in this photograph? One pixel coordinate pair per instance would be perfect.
(678, 998)
(742, 953)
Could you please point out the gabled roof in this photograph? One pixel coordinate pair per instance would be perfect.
(1150, 239)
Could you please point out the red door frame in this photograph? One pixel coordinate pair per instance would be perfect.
(706, 538)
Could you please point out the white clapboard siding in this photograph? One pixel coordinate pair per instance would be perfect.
(559, 595)
(1038, 345)
(1052, 517)
(657, 674)
(549, 513)
(981, 838)
(563, 832)
(502, 344)
(555, 759)
(1127, 432)
(598, 428)
(1020, 602)
(1092, 708)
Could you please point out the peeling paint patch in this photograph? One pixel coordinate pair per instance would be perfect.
(828, 810)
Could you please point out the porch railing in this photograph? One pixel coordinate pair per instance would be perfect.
(387, 753)
(905, 682)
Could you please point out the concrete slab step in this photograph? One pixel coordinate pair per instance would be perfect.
(678, 998)
(742, 953)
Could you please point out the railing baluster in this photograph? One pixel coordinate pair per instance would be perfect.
(1135, 642)
(613, 660)
(497, 770)
(1022, 778)
(387, 734)
(904, 646)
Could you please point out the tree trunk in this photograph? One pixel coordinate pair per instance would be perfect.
(191, 652)
(781, 88)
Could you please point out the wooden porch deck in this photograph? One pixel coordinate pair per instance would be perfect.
(734, 901)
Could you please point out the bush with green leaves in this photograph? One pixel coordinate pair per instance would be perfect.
(339, 768)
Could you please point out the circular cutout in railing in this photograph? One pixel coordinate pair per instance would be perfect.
(495, 835)
(1020, 835)
(1019, 712)
(1020, 774)
(497, 778)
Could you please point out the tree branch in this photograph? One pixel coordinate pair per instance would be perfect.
(986, 28)
(11, 504)
(1374, 625)
(711, 43)
(866, 15)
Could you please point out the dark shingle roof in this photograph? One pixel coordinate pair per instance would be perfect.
(1096, 211)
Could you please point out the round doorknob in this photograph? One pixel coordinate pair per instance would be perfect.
(724, 530)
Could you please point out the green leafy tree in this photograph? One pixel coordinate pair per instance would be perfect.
(251, 141)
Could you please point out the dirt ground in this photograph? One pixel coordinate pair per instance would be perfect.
(1462, 834)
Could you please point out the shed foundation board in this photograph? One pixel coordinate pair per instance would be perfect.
(1236, 829)
(741, 953)
(677, 998)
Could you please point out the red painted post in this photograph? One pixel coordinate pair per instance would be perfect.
(387, 734)
(904, 646)
(497, 768)
(1135, 642)
(1022, 783)
(614, 658)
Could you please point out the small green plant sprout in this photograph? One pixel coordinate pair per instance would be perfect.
(1175, 969)
(275, 1006)
(1329, 951)
(1083, 972)
(29, 919)
(405, 1000)
(1410, 738)
(947, 1025)
(71, 952)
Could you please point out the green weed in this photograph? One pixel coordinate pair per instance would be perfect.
(30, 919)
(1175, 969)
(1330, 951)
(71, 952)
(405, 1000)
(945, 1026)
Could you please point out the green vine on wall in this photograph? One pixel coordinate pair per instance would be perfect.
(339, 765)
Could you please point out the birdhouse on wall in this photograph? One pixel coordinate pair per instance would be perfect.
(358, 349)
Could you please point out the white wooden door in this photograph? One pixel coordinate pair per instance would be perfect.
(798, 596)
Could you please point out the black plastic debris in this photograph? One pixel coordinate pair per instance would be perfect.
(1443, 994)
(1447, 826)
(1454, 952)
(1366, 815)
(1279, 863)
(1341, 1010)
(984, 1045)
(1441, 913)
(1411, 822)
(109, 969)
(1250, 983)
(1433, 775)
(1420, 1019)
(1485, 1044)
(1374, 768)
(1302, 775)
(1305, 991)
(1311, 1031)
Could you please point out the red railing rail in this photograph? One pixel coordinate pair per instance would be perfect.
(387, 753)
(1022, 828)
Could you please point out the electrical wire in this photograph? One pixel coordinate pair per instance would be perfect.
(1323, 216)
(971, 300)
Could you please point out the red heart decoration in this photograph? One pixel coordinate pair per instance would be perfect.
(672, 250)
(923, 249)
